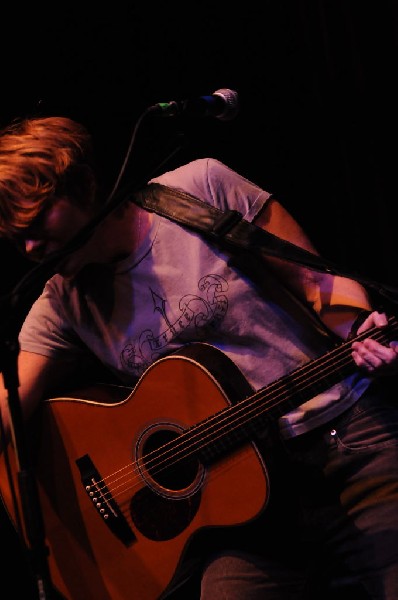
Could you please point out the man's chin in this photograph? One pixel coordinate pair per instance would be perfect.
(71, 271)
(68, 269)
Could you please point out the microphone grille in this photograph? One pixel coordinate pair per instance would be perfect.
(231, 103)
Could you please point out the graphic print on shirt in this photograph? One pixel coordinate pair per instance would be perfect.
(197, 311)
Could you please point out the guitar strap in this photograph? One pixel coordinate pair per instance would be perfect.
(228, 228)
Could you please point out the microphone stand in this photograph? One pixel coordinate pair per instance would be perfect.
(11, 308)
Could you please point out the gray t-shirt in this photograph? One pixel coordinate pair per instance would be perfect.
(179, 288)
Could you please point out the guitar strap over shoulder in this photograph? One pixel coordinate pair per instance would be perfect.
(230, 229)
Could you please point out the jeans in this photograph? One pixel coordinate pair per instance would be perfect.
(330, 528)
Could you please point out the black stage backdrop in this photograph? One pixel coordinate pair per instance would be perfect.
(317, 125)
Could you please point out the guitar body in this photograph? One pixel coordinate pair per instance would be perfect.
(120, 507)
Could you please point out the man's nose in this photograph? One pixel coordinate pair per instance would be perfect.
(34, 248)
(31, 245)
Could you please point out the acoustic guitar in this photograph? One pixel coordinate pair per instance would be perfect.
(128, 477)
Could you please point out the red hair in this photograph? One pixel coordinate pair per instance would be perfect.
(41, 158)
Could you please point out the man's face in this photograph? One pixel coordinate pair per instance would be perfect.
(53, 229)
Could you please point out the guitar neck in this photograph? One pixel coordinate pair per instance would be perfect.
(238, 423)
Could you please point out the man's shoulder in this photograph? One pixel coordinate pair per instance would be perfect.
(200, 177)
(197, 170)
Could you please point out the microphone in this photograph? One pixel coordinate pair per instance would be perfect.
(222, 104)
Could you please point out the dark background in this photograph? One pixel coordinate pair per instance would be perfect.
(316, 82)
(317, 86)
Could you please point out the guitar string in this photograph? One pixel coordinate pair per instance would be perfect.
(214, 420)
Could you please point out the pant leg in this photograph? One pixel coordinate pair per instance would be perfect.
(363, 467)
(350, 496)
(239, 576)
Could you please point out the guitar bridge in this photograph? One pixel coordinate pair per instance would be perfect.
(103, 502)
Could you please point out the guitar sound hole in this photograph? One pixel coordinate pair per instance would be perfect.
(171, 470)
